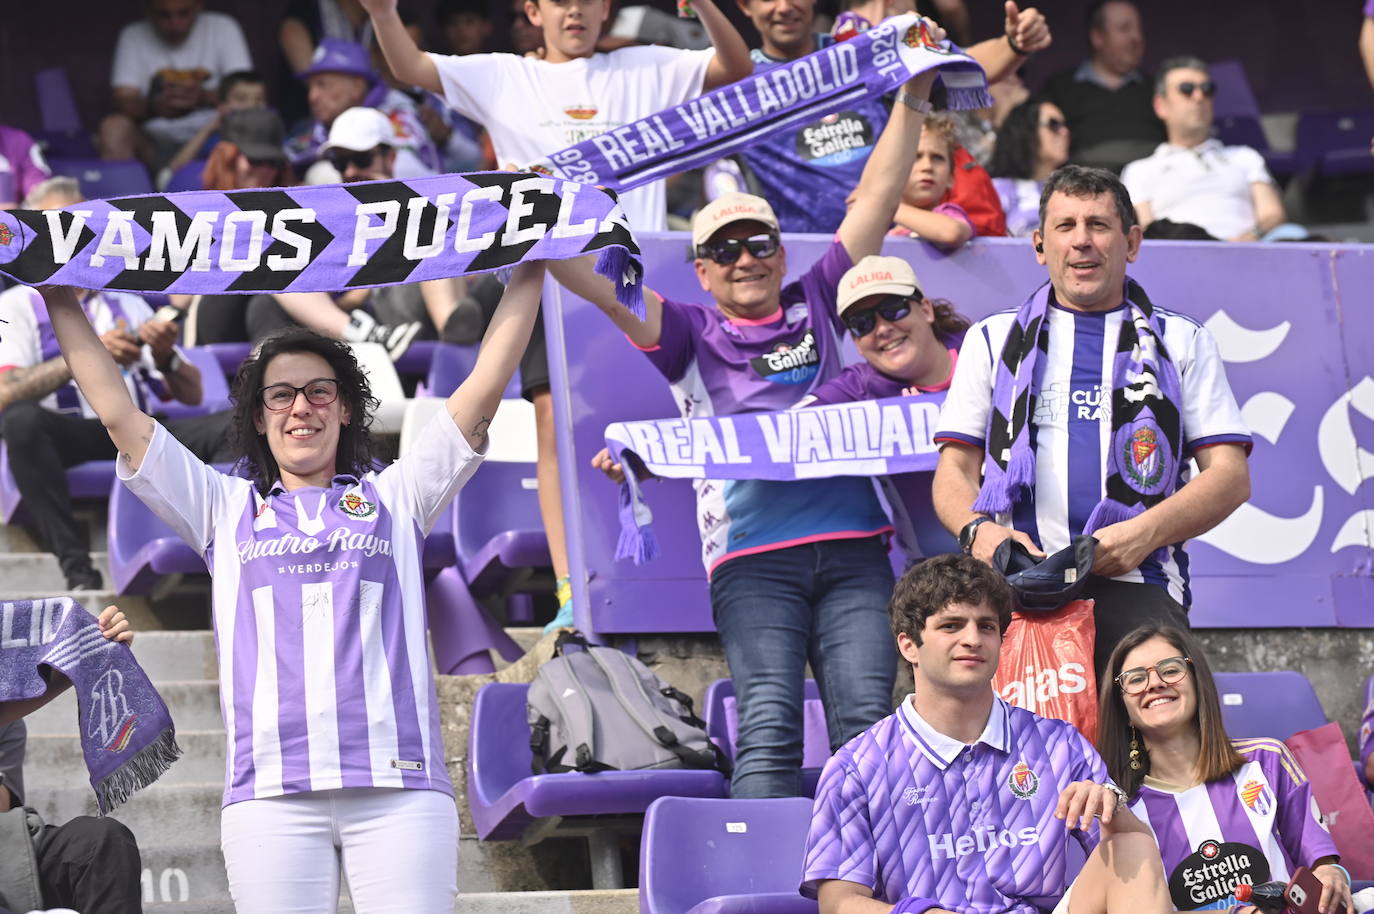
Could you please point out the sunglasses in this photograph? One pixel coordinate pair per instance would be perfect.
(342, 158)
(1170, 670)
(1187, 88)
(1053, 124)
(319, 392)
(892, 309)
(727, 250)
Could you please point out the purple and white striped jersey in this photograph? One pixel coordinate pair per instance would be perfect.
(1254, 825)
(319, 613)
(905, 810)
(1072, 422)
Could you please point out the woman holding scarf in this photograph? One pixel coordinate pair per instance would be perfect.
(335, 755)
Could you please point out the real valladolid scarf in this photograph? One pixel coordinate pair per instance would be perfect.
(866, 438)
(324, 238)
(127, 735)
(730, 118)
(1146, 436)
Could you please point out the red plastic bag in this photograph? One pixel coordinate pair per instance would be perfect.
(1047, 665)
(1325, 759)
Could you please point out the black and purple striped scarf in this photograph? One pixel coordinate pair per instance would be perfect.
(127, 736)
(1146, 438)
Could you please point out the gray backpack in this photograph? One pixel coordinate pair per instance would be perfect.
(598, 709)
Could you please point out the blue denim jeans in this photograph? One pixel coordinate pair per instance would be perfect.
(822, 602)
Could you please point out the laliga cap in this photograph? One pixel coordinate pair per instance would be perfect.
(874, 275)
(727, 208)
(1049, 583)
(360, 129)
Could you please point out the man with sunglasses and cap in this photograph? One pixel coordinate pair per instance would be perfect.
(798, 570)
(1195, 179)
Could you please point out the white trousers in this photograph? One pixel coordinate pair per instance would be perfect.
(398, 848)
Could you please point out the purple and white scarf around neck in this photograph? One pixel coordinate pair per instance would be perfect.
(728, 119)
(863, 438)
(127, 736)
(1146, 443)
(323, 238)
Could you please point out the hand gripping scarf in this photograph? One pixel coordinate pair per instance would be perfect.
(322, 238)
(753, 110)
(127, 735)
(864, 438)
(1146, 444)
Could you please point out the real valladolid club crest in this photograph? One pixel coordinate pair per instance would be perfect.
(111, 722)
(354, 505)
(1023, 782)
(918, 36)
(1144, 460)
(1256, 797)
(6, 236)
(580, 112)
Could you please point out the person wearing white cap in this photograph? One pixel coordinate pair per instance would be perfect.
(798, 570)
(360, 147)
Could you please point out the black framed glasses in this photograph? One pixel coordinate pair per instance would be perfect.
(1054, 124)
(892, 309)
(1188, 87)
(1137, 679)
(342, 158)
(727, 250)
(319, 392)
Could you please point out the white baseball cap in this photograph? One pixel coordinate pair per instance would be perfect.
(874, 275)
(360, 129)
(727, 208)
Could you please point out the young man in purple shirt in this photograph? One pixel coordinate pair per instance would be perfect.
(798, 570)
(960, 802)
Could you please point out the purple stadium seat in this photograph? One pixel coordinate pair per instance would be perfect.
(463, 634)
(1234, 95)
(1275, 704)
(142, 547)
(214, 388)
(452, 364)
(506, 798)
(187, 177)
(229, 355)
(497, 526)
(707, 856)
(86, 480)
(62, 133)
(417, 357)
(722, 725)
(1336, 143)
(102, 180)
(1244, 130)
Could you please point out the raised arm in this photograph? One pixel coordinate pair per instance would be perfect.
(1026, 32)
(96, 373)
(885, 173)
(474, 403)
(410, 65)
(731, 62)
(579, 277)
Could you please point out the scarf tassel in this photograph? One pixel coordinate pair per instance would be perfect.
(616, 264)
(637, 540)
(138, 772)
(1110, 511)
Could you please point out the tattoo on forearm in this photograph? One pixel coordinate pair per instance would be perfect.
(30, 382)
(479, 431)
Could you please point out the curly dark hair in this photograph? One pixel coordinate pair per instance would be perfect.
(930, 586)
(1018, 142)
(355, 453)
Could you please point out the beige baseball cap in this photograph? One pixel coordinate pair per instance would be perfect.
(876, 275)
(727, 208)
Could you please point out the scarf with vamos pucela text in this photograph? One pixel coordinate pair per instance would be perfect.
(126, 732)
(755, 109)
(1146, 441)
(322, 238)
(863, 438)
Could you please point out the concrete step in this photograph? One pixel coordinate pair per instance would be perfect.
(16, 538)
(54, 762)
(40, 571)
(135, 607)
(189, 812)
(194, 704)
(619, 901)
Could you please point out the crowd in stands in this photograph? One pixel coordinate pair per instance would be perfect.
(798, 572)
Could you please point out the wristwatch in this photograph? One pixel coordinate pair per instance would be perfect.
(1121, 798)
(969, 531)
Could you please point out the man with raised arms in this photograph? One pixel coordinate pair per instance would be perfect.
(958, 802)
